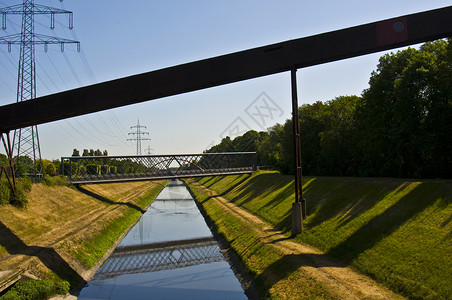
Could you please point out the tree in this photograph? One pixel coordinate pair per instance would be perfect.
(75, 153)
(248, 142)
(3, 160)
(48, 167)
(57, 164)
(405, 119)
(400, 127)
(23, 165)
(270, 151)
(338, 138)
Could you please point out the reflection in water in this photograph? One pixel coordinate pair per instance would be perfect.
(172, 216)
(169, 254)
(151, 258)
(202, 282)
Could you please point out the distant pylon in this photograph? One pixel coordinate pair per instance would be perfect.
(26, 140)
(149, 150)
(138, 136)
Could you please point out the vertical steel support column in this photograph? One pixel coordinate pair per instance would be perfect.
(297, 206)
(254, 162)
(70, 169)
(9, 153)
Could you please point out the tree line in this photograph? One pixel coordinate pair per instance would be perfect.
(101, 165)
(90, 152)
(399, 127)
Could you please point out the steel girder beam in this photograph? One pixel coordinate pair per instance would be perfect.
(257, 62)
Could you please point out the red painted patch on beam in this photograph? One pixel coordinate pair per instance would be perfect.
(392, 31)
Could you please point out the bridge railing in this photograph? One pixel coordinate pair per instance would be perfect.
(92, 169)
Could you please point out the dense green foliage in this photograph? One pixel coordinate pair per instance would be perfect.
(19, 198)
(248, 142)
(90, 152)
(36, 290)
(5, 192)
(399, 127)
(55, 181)
(3, 160)
(406, 115)
(395, 230)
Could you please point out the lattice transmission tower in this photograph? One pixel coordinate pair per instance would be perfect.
(138, 136)
(26, 140)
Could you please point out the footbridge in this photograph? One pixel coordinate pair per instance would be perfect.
(102, 169)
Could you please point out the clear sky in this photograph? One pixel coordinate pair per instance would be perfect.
(122, 38)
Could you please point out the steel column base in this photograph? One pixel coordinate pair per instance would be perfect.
(297, 219)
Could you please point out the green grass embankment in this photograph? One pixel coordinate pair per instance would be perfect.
(63, 232)
(275, 275)
(92, 250)
(397, 231)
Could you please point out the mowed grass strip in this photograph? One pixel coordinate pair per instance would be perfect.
(397, 231)
(93, 249)
(273, 271)
(63, 230)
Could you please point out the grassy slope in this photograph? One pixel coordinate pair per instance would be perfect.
(93, 247)
(397, 231)
(69, 226)
(275, 275)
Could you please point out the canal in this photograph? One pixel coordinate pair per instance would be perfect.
(169, 254)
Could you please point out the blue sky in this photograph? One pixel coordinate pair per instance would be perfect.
(122, 38)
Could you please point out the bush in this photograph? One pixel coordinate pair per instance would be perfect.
(24, 184)
(113, 170)
(19, 198)
(36, 289)
(93, 169)
(5, 192)
(104, 169)
(55, 181)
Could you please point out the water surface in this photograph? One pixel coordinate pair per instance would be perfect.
(163, 240)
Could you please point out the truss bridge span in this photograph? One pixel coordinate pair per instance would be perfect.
(100, 169)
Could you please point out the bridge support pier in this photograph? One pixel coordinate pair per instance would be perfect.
(299, 207)
(297, 218)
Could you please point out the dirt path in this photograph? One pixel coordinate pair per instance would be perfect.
(341, 279)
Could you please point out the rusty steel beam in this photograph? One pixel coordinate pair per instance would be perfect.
(252, 63)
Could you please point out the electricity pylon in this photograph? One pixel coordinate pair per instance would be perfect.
(26, 140)
(138, 136)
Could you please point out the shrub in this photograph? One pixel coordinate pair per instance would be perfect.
(24, 184)
(19, 198)
(113, 170)
(104, 169)
(55, 181)
(36, 289)
(93, 169)
(5, 192)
